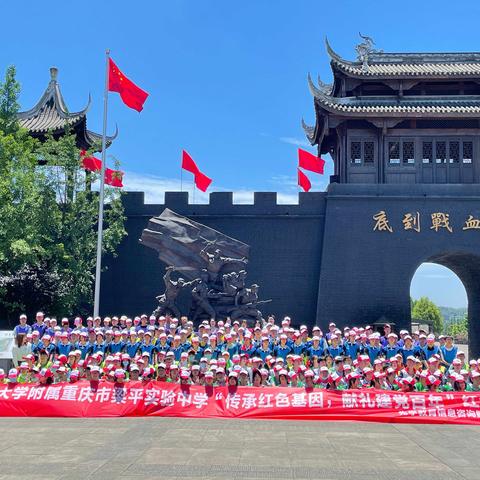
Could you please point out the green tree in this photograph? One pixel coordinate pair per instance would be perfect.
(9, 91)
(425, 309)
(48, 219)
(459, 330)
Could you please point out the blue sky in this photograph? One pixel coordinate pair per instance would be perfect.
(227, 80)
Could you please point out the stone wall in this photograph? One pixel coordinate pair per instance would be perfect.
(320, 260)
(286, 245)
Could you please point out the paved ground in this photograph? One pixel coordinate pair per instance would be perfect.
(156, 448)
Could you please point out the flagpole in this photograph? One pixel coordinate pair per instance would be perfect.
(98, 271)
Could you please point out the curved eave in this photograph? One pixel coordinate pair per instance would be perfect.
(309, 132)
(96, 138)
(335, 56)
(315, 134)
(338, 67)
(388, 111)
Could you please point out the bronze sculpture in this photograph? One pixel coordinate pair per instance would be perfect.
(213, 263)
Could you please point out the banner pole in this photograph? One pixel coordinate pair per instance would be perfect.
(98, 269)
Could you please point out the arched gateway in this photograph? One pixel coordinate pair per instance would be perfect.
(403, 132)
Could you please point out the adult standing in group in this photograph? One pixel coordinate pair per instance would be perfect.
(20, 349)
(22, 327)
(39, 324)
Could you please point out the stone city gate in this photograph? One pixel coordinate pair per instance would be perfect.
(322, 260)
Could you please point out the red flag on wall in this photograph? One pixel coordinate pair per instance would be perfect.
(310, 162)
(201, 180)
(303, 181)
(114, 178)
(92, 164)
(133, 96)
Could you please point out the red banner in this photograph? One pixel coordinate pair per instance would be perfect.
(172, 400)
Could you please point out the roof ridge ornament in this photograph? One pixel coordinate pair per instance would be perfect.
(53, 74)
(326, 88)
(364, 49)
(309, 131)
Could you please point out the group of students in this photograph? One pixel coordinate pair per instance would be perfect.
(218, 353)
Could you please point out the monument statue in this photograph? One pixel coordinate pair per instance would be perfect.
(213, 263)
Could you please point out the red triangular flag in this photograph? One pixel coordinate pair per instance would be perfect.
(188, 163)
(303, 181)
(114, 178)
(310, 162)
(133, 96)
(91, 164)
(202, 182)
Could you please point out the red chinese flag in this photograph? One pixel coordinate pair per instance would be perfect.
(303, 181)
(114, 178)
(310, 162)
(91, 164)
(202, 182)
(133, 96)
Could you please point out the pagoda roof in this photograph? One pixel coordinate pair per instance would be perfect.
(376, 64)
(51, 115)
(407, 106)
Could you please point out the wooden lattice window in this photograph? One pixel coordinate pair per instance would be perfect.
(427, 152)
(467, 152)
(368, 152)
(408, 153)
(440, 152)
(356, 152)
(454, 151)
(394, 153)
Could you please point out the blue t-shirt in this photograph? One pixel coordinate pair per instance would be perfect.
(282, 352)
(39, 328)
(99, 347)
(373, 351)
(406, 352)
(178, 352)
(335, 351)
(148, 348)
(315, 351)
(449, 355)
(132, 348)
(263, 354)
(391, 351)
(116, 347)
(298, 349)
(248, 350)
(232, 348)
(429, 352)
(86, 349)
(22, 329)
(351, 349)
(64, 349)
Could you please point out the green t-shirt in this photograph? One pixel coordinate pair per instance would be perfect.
(419, 387)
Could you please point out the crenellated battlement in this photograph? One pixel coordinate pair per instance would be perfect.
(222, 204)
